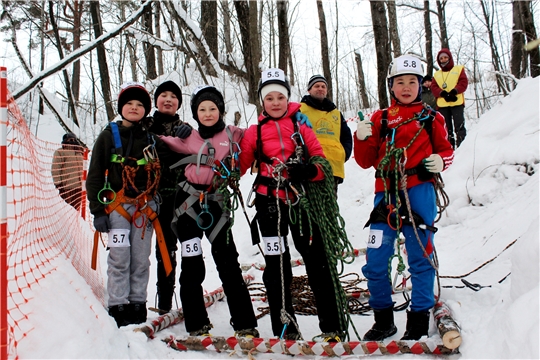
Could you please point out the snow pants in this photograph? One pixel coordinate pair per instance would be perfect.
(165, 284)
(455, 123)
(314, 256)
(422, 200)
(128, 268)
(193, 271)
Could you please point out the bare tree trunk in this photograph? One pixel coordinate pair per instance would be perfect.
(42, 21)
(336, 93)
(149, 53)
(272, 36)
(226, 26)
(283, 34)
(77, 9)
(67, 82)
(102, 60)
(393, 27)
(361, 81)
(442, 23)
(382, 48)
(530, 32)
(209, 25)
(495, 59)
(324, 48)
(242, 12)
(518, 42)
(254, 36)
(429, 39)
(157, 26)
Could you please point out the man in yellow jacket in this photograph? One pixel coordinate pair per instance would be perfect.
(329, 125)
(448, 86)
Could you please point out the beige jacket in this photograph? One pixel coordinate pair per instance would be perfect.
(67, 167)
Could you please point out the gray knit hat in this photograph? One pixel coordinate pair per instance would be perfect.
(315, 79)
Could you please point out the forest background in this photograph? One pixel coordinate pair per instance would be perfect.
(72, 56)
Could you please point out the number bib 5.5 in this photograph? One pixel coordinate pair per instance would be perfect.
(272, 245)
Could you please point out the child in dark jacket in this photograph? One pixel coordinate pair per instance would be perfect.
(282, 171)
(201, 210)
(407, 145)
(126, 158)
(165, 121)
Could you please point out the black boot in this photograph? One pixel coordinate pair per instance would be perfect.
(120, 314)
(384, 325)
(417, 325)
(137, 313)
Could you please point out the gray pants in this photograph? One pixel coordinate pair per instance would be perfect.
(128, 268)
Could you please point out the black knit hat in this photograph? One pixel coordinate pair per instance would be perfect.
(134, 91)
(315, 79)
(427, 78)
(203, 93)
(69, 138)
(168, 86)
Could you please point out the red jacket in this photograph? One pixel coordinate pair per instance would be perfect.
(277, 142)
(370, 152)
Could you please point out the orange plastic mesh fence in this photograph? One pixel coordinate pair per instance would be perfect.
(41, 226)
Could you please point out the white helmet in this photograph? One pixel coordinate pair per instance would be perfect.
(405, 65)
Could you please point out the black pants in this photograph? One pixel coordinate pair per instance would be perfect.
(455, 123)
(193, 273)
(71, 196)
(165, 284)
(314, 256)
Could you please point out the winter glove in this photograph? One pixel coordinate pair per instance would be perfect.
(453, 92)
(182, 131)
(445, 95)
(452, 96)
(363, 129)
(102, 223)
(434, 163)
(301, 172)
(302, 119)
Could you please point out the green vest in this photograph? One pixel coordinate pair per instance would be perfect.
(327, 128)
(450, 78)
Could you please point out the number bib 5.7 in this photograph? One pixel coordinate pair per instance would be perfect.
(118, 238)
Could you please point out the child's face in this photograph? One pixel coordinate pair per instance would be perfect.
(167, 103)
(208, 113)
(275, 104)
(405, 88)
(133, 110)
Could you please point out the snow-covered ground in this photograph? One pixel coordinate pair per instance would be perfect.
(494, 192)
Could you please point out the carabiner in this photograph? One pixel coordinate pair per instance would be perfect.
(106, 193)
(299, 135)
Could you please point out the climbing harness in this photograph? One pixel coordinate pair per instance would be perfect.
(151, 164)
(226, 176)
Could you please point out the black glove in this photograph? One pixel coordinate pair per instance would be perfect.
(452, 96)
(182, 131)
(444, 95)
(102, 223)
(301, 172)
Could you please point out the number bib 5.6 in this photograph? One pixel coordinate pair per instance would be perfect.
(191, 247)
(272, 245)
(118, 238)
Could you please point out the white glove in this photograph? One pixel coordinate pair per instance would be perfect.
(434, 163)
(363, 130)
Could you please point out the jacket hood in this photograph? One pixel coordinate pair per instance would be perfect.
(450, 64)
(325, 105)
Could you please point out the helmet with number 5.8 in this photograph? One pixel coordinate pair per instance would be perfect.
(406, 65)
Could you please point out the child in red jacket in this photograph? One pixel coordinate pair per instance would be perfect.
(282, 148)
(407, 144)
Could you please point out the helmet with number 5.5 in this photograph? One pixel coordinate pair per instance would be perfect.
(406, 65)
(273, 80)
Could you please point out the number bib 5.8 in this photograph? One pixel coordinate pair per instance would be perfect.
(118, 238)
(375, 238)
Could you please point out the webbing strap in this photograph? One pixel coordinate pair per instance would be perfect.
(116, 138)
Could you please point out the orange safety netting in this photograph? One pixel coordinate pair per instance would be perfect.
(41, 226)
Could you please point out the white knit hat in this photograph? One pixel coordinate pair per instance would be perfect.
(273, 87)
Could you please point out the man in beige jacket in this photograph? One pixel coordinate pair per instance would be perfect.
(67, 169)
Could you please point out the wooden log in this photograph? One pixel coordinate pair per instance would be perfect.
(448, 328)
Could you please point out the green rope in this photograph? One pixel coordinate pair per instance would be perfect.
(395, 158)
(228, 187)
(323, 209)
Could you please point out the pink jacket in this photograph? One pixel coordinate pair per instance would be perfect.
(195, 144)
(277, 142)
